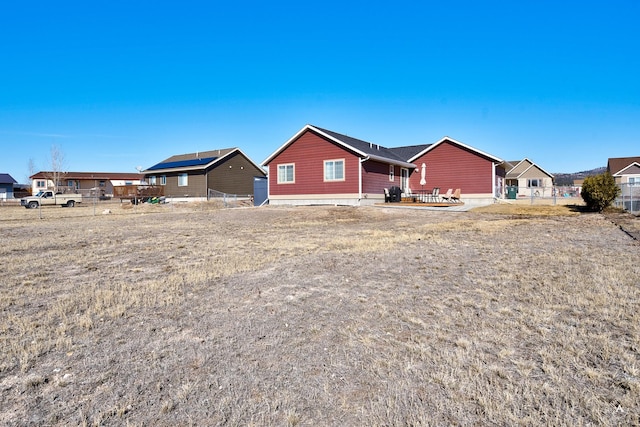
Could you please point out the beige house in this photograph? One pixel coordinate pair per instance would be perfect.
(527, 179)
(625, 170)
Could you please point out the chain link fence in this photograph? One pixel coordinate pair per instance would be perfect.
(550, 195)
(629, 198)
(223, 199)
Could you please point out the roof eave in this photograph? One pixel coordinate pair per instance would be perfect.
(248, 158)
(621, 171)
(285, 145)
(192, 168)
(318, 131)
(390, 161)
(446, 138)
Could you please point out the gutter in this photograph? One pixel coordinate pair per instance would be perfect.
(390, 161)
(362, 160)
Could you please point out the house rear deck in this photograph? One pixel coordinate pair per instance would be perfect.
(416, 202)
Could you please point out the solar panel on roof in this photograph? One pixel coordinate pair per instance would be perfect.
(183, 163)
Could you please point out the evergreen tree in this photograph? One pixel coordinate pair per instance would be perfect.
(599, 191)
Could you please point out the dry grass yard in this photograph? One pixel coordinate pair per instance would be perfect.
(191, 315)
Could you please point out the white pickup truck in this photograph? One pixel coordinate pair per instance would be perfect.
(49, 198)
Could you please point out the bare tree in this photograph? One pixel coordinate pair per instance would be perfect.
(56, 174)
(31, 169)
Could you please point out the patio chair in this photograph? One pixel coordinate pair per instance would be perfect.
(456, 196)
(447, 196)
(435, 195)
(387, 196)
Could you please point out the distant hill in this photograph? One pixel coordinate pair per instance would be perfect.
(567, 178)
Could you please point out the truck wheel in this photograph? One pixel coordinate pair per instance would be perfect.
(33, 205)
(71, 204)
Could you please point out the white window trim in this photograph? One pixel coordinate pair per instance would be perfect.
(537, 180)
(392, 173)
(163, 179)
(152, 180)
(186, 180)
(324, 170)
(293, 170)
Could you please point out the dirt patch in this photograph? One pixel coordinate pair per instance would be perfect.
(191, 315)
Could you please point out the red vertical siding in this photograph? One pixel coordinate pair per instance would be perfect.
(308, 153)
(452, 166)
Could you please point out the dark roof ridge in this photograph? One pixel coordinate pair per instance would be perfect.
(367, 147)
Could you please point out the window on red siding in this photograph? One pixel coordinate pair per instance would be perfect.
(392, 173)
(286, 174)
(334, 170)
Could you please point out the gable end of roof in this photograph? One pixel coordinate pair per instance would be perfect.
(458, 143)
(363, 149)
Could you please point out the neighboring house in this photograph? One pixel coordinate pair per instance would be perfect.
(97, 183)
(190, 175)
(6, 186)
(577, 186)
(528, 178)
(319, 166)
(625, 170)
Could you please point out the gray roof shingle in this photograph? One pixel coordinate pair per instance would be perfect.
(409, 151)
(5, 178)
(367, 147)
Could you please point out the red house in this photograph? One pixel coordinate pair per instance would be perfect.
(319, 166)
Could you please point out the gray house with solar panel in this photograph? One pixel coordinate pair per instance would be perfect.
(190, 175)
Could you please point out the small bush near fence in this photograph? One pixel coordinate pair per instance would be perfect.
(599, 191)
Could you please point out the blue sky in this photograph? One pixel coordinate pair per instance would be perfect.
(119, 84)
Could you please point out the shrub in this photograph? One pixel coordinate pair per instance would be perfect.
(599, 191)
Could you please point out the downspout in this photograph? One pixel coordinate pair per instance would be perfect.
(268, 183)
(364, 159)
(493, 181)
